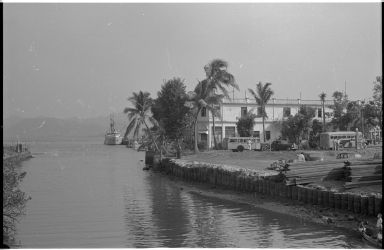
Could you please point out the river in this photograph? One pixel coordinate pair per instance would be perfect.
(89, 195)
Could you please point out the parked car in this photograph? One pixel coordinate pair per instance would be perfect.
(282, 145)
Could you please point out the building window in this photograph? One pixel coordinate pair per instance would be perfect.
(259, 112)
(256, 134)
(286, 111)
(218, 133)
(230, 131)
(267, 135)
(203, 112)
(319, 113)
(243, 111)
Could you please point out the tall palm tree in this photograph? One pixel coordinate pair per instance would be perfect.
(140, 115)
(262, 96)
(197, 101)
(322, 98)
(218, 78)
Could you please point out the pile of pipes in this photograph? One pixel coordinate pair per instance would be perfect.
(363, 173)
(310, 172)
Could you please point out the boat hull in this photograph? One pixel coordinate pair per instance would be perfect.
(372, 241)
(112, 140)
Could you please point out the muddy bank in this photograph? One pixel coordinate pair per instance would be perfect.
(263, 189)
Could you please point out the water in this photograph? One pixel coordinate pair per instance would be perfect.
(85, 194)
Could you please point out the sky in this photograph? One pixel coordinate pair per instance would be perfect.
(84, 60)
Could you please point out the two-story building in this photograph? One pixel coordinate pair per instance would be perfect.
(232, 109)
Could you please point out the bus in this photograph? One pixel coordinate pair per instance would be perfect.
(346, 139)
(241, 143)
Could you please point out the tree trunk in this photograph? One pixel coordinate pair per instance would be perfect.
(195, 128)
(323, 118)
(150, 134)
(263, 125)
(214, 131)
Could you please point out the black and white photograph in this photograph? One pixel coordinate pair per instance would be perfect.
(188, 124)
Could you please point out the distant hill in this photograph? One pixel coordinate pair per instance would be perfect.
(48, 127)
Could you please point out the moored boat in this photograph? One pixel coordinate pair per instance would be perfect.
(368, 235)
(112, 137)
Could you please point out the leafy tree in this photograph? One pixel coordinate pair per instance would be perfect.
(140, 115)
(378, 98)
(371, 115)
(339, 106)
(203, 97)
(314, 135)
(295, 127)
(262, 96)
(245, 124)
(322, 98)
(14, 200)
(170, 110)
(218, 78)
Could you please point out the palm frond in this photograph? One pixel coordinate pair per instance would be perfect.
(153, 121)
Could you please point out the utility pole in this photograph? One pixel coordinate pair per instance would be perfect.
(345, 88)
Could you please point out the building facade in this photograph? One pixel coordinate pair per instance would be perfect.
(232, 109)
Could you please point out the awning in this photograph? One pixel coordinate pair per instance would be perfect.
(203, 132)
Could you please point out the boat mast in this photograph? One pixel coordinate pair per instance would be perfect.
(112, 124)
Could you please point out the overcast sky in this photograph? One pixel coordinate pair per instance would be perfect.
(84, 60)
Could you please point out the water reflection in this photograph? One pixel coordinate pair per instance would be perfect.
(91, 195)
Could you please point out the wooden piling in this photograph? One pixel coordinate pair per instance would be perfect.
(315, 196)
(309, 199)
(325, 195)
(300, 193)
(356, 204)
(378, 205)
(364, 204)
(289, 192)
(331, 200)
(294, 193)
(320, 198)
(264, 186)
(371, 205)
(350, 202)
(344, 201)
(337, 200)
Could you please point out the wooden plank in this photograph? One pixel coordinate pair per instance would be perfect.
(362, 183)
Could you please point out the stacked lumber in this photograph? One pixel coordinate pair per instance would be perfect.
(309, 172)
(363, 173)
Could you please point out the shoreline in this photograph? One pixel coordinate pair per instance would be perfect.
(18, 157)
(310, 213)
(253, 187)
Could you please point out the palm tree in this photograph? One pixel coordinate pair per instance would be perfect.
(262, 96)
(197, 100)
(140, 115)
(322, 98)
(218, 77)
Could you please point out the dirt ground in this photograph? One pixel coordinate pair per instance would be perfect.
(261, 160)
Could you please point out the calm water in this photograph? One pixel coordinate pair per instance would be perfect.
(86, 194)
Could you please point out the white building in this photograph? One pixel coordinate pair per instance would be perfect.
(231, 110)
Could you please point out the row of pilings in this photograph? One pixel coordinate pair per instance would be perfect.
(268, 183)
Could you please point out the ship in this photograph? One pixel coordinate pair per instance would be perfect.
(112, 137)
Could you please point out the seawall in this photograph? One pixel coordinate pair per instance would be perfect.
(268, 183)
